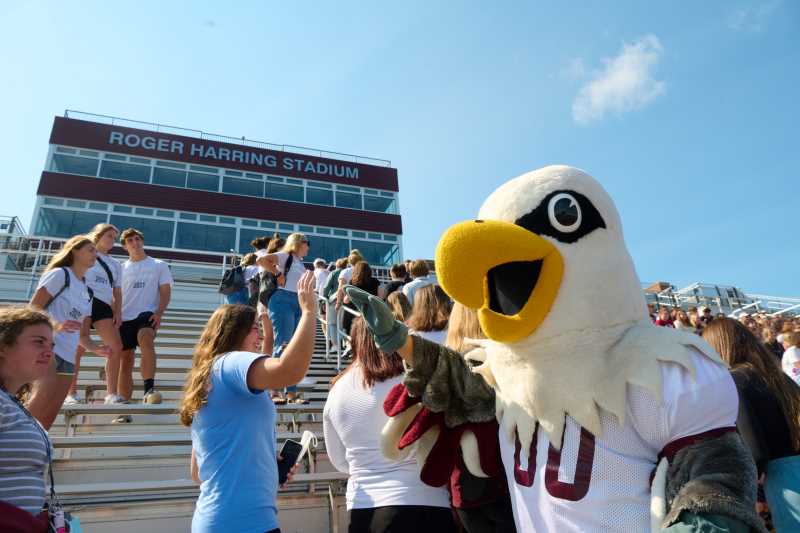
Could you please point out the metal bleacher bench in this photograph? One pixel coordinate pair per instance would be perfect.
(71, 411)
(97, 493)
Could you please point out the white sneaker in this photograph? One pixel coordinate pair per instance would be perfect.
(152, 397)
(71, 400)
(111, 399)
(122, 419)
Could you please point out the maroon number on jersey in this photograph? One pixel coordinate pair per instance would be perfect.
(558, 489)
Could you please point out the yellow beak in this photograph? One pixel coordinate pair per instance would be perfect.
(510, 275)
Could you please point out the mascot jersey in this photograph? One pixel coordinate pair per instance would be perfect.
(600, 484)
(588, 394)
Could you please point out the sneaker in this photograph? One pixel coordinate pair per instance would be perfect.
(112, 399)
(122, 419)
(152, 397)
(71, 400)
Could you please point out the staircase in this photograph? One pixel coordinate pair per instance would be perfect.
(132, 477)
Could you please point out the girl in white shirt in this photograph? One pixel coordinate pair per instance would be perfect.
(382, 494)
(105, 280)
(430, 314)
(63, 293)
(284, 309)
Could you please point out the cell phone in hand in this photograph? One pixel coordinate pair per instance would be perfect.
(289, 452)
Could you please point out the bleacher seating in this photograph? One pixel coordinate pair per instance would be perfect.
(134, 476)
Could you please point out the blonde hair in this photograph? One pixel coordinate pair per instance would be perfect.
(293, 243)
(463, 324)
(354, 257)
(101, 229)
(65, 256)
(13, 321)
(249, 259)
(225, 332)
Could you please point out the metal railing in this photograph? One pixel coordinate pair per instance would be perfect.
(337, 340)
(204, 135)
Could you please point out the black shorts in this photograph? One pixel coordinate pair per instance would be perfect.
(129, 331)
(100, 311)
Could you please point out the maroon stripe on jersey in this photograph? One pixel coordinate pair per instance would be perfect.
(671, 449)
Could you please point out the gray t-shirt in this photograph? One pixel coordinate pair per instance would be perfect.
(23, 457)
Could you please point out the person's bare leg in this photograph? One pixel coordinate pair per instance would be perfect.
(147, 350)
(73, 386)
(125, 381)
(268, 340)
(110, 336)
(48, 395)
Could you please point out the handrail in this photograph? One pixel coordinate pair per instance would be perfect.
(340, 335)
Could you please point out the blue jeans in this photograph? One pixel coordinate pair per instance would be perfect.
(242, 296)
(284, 311)
(782, 489)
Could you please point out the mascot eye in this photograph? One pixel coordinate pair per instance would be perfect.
(564, 212)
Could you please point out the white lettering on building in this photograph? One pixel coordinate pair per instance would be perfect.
(203, 151)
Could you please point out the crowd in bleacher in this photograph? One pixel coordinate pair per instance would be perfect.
(255, 350)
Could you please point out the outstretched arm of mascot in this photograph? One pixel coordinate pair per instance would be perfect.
(435, 374)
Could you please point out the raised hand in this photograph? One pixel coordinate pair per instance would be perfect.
(306, 295)
(389, 334)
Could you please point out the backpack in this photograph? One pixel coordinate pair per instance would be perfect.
(232, 280)
(65, 287)
(269, 282)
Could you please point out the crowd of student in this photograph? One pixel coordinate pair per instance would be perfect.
(779, 334)
(82, 288)
(262, 343)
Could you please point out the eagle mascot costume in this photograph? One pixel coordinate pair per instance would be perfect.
(606, 422)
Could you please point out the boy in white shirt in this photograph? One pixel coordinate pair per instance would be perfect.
(146, 291)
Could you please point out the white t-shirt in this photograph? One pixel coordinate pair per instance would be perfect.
(790, 357)
(352, 419)
(140, 283)
(72, 304)
(612, 491)
(97, 278)
(347, 274)
(259, 254)
(296, 271)
(250, 272)
(321, 275)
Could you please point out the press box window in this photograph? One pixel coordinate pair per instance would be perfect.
(203, 182)
(168, 176)
(156, 232)
(125, 172)
(205, 237)
(279, 191)
(74, 165)
(64, 223)
(243, 186)
(347, 199)
(319, 196)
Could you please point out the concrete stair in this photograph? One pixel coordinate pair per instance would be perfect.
(134, 476)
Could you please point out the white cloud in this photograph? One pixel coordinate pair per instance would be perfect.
(624, 84)
(752, 18)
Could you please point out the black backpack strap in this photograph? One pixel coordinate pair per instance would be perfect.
(286, 268)
(108, 271)
(62, 289)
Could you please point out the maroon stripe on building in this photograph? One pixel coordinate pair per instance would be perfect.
(159, 197)
(93, 135)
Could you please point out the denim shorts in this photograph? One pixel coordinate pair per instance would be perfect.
(64, 367)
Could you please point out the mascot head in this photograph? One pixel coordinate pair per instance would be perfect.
(545, 256)
(545, 266)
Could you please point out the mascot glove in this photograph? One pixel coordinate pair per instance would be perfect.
(389, 333)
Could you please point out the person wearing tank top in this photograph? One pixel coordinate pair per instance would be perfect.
(62, 292)
(284, 310)
(105, 280)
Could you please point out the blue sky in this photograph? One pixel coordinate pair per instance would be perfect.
(687, 112)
